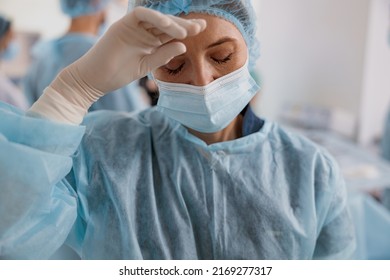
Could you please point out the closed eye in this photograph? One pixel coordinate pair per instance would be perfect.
(223, 60)
(174, 71)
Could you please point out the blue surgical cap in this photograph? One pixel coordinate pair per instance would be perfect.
(76, 8)
(238, 12)
(4, 26)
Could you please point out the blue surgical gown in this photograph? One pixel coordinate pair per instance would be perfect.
(140, 186)
(50, 57)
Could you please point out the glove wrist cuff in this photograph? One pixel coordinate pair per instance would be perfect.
(53, 106)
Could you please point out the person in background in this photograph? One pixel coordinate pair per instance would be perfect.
(385, 152)
(190, 178)
(50, 57)
(385, 143)
(9, 92)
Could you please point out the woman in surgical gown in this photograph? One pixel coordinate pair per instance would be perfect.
(190, 179)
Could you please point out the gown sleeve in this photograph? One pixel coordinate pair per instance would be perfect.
(336, 235)
(38, 206)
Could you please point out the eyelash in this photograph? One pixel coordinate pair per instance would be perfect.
(222, 61)
(176, 71)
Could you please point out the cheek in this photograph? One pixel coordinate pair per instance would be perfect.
(238, 60)
(234, 65)
(243, 57)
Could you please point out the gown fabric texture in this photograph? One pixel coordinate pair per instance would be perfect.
(139, 186)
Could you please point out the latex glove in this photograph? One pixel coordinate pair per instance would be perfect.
(132, 47)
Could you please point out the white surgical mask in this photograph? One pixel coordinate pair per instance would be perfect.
(208, 108)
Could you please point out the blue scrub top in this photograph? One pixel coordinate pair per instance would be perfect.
(140, 186)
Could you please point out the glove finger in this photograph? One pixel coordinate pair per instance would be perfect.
(147, 25)
(192, 30)
(193, 26)
(160, 21)
(156, 32)
(165, 38)
(161, 56)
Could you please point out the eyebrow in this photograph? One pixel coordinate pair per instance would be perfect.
(221, 41)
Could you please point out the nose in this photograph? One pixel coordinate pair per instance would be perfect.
(202, 74)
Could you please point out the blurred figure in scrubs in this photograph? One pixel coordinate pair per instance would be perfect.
(9, 92)
(199, 176)
(385, 143)
(385, 150)
(49, 58)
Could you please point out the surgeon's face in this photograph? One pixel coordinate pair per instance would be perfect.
(213, 53)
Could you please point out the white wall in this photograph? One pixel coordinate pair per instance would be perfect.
(37, 16)
(45, 17)
(312, 53)
(331, 53)
(376, 84)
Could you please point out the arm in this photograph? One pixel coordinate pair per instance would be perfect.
(336, 236)
(37, 206)
(132, 47)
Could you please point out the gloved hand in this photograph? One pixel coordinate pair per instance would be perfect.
(132, 47)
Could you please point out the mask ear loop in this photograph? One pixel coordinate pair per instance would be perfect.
(245, 109)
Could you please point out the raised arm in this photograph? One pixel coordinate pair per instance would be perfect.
(37, 206)
(138, 43)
